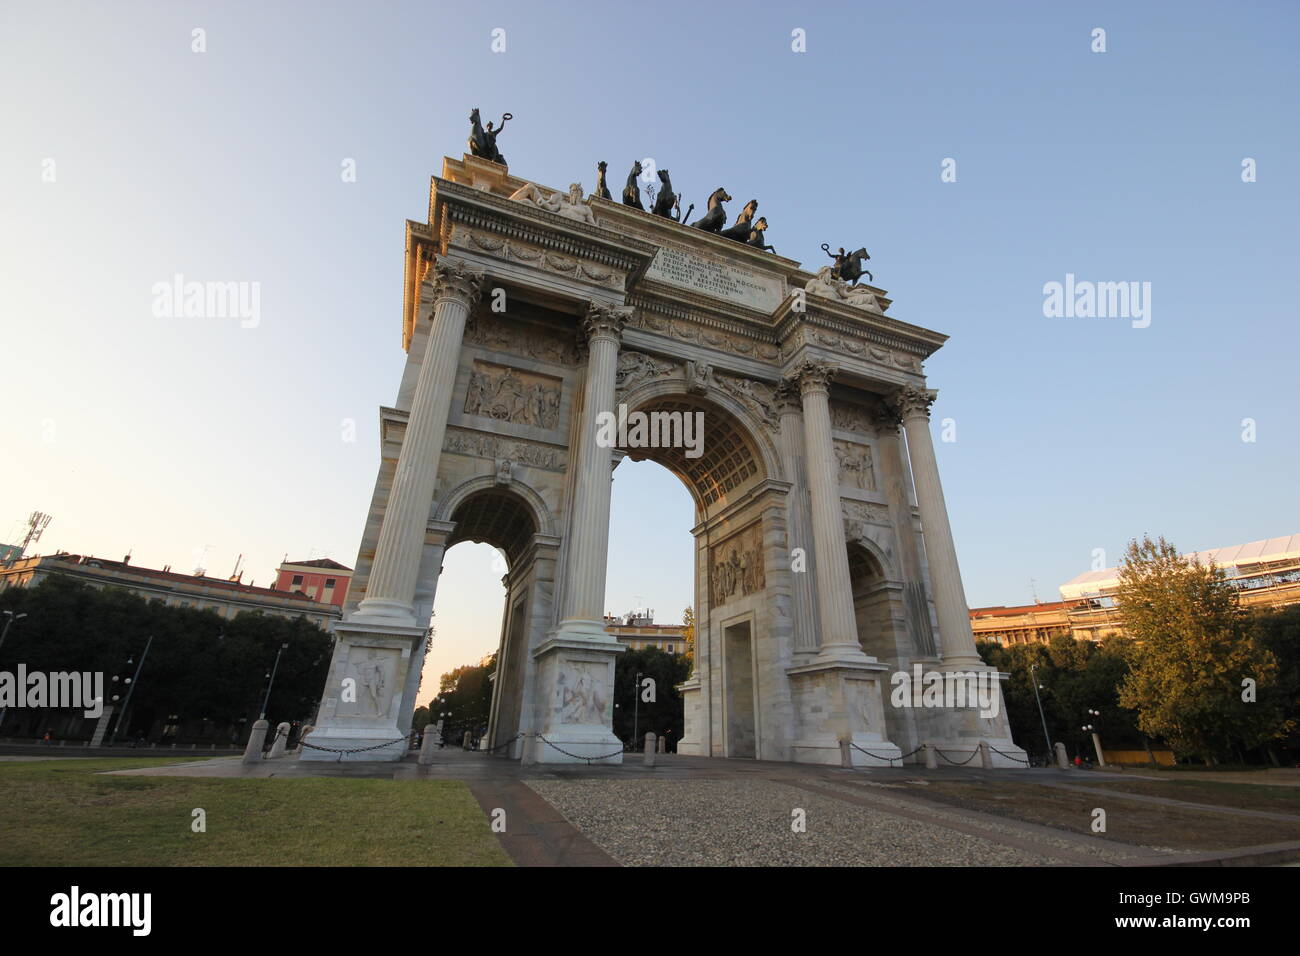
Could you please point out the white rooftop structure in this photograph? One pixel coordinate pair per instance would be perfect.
(1239, 560)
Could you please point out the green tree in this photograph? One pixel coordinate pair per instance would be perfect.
(1190, 652)
(688, 631)
(666, 713)
(466, 693)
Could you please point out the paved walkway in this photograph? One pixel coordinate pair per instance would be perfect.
(709, 811)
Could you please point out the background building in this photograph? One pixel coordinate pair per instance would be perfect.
(226, 597)
(322, 580)
(1265, 573)
(638, 631)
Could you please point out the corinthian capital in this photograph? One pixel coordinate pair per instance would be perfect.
(604, 322)
(457, 280)
(814, 377)
(787, 396)
(910, 400)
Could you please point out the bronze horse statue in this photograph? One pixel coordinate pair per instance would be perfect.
(716, 217)
(848, 268)
(667, 201)
(483, 143)
(632, 192)
(741, 230)
(602, 190)
(756, 235)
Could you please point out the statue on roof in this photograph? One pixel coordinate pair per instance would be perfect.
(483, 142)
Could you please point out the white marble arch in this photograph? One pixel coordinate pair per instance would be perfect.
(646, 393)
(543, 521)
(878, 541)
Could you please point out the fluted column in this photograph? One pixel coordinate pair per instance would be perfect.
(583, 607)
(391, 589)
(958, 642)
(789, 407)
(839, 637)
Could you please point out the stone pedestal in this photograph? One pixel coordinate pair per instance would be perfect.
(841, 706)
(575, 702)
(364, 694)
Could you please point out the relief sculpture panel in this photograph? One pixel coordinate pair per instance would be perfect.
(736, 566)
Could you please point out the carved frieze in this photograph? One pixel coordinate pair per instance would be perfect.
(859, 514)
(581, 693)
(535, 343)
(851, 345)
(851, 418)
(465, 441)
(637, 367)
(758, 397)
(537, 257)
(513, 395)
(701, 335)
(736, 566)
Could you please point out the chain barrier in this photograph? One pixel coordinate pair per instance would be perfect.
(499, 746)
(356, 750)
(589, 760)
(900, 758)
(974, 753)
(1010, 756)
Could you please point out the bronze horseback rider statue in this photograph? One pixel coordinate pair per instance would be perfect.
(848, 268)
(483, 142)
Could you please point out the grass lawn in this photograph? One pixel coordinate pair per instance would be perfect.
(1242, 796)
(64, 813)
(1127, 821)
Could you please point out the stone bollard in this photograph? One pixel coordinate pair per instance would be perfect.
(663, 745)
(253, 751)
(466, 742)
(427, 748)
(280, 742)
(931, 758)
(307, 728)
(649, 755)
(846, 755)
(986, 755)
(1062, 761)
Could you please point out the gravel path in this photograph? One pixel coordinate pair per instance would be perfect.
(1099, 848)
(748, 823)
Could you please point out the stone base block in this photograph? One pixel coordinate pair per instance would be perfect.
(567, 746)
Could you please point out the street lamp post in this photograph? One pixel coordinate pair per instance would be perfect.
(1096, 736)
(10, 617)
(1033, 676)
(130, 690)
(636, 702)
(271, 682)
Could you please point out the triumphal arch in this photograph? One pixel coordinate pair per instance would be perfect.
(824, 561)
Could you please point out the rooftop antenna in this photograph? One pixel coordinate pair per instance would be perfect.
(1033, 587)
(199, 568)
(234, 575)
(37, 522)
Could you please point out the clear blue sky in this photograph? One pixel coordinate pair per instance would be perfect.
(172, 436)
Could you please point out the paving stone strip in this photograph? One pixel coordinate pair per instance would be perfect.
(536, 833)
